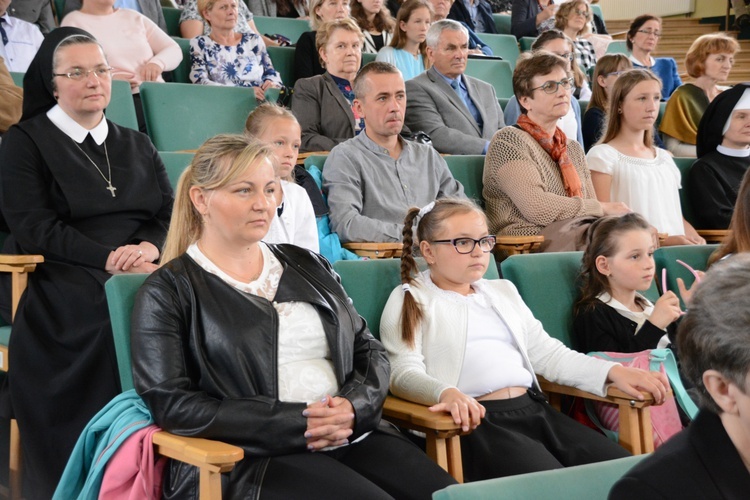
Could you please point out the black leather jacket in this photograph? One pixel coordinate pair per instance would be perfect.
(204, 355)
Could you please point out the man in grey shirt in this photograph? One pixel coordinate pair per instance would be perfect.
(373, 179)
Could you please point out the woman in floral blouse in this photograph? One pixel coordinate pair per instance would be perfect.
(225, 57)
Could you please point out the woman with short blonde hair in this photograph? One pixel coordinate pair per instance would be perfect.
(709, 61)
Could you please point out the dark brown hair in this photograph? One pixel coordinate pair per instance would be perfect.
(602, 238)
(428, 226)
(383, 20)
(636, 25)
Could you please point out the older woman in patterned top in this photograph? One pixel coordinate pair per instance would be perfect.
(225, 57)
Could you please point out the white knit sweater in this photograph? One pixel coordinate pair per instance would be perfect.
(422, 373)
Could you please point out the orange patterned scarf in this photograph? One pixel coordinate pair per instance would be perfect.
(557, 147)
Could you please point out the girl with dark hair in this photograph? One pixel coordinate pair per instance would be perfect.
(471, 347)
(611, 314)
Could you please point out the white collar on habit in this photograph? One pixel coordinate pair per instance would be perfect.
(74, 130)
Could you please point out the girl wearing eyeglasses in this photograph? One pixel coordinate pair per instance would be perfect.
(642, 38)
(628, 168)
(470, 347)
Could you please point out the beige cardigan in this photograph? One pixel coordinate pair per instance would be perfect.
(523, 187)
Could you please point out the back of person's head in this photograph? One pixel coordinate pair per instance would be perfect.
(714, 335)
(564, 11)
(437, 28)
(361, 84)
(399, 39)
(738, 239)
(537, 63)
(704, 46)
(625, 84)
(431, 220)
(548, 36)
(217, 163)
(637, 23)
(603, 240)
(605, 66)
(383, 20)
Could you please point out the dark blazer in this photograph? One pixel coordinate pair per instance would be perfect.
(205, 358)
(38, 12)
(323, 112)
(306, 58)
(432, 106)
(460, 13)
(523, 18)
(150, 8)
(699, 462)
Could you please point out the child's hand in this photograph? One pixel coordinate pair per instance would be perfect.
(685, 292)
(666, 310)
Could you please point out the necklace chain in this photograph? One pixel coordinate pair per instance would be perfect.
(109, 187)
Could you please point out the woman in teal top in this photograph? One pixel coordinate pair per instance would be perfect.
(407, 48)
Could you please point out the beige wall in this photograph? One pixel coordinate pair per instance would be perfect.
(710, 8)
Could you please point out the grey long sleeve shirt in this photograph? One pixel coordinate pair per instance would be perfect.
(369, 192)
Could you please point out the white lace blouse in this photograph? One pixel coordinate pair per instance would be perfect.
(305, 368)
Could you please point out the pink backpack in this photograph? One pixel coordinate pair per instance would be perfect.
(665, 418)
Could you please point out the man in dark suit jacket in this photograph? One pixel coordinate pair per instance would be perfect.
(459, 113)
(709, 459)
(149, 8)
(477, 14)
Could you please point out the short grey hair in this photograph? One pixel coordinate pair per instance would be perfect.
(715, 333)
(437, 28)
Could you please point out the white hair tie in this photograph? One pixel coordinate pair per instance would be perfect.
(426, 209)
(405, 287)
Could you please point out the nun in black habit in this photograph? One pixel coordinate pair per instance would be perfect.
(94, 199)
(723, 158)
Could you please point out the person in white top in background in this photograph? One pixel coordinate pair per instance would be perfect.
(19, 40)
(295, 218)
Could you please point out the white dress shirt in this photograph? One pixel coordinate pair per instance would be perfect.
(24, 39)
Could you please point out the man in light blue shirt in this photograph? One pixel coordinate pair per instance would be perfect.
(19, 40)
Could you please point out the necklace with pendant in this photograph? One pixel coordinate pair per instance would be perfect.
(109, 187)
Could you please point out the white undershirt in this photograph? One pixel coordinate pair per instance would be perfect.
(305, 368)
(492, 360)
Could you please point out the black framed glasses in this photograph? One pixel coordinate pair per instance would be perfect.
(79, 74)
(466, 245)
(551, 86)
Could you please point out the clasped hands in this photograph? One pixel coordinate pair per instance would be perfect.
(138, 258)
(330, 422)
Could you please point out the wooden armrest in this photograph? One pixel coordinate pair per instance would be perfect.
(514, 245)
(418, 417)
(20, 260)
(303, 156)
(375, 250)
(202, 453)
(614, 395)
(662, 238)
(713, 235)
(19, 266)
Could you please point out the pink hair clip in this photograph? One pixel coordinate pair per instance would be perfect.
(692, 271)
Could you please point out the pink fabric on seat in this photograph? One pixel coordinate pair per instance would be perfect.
(131, 473)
